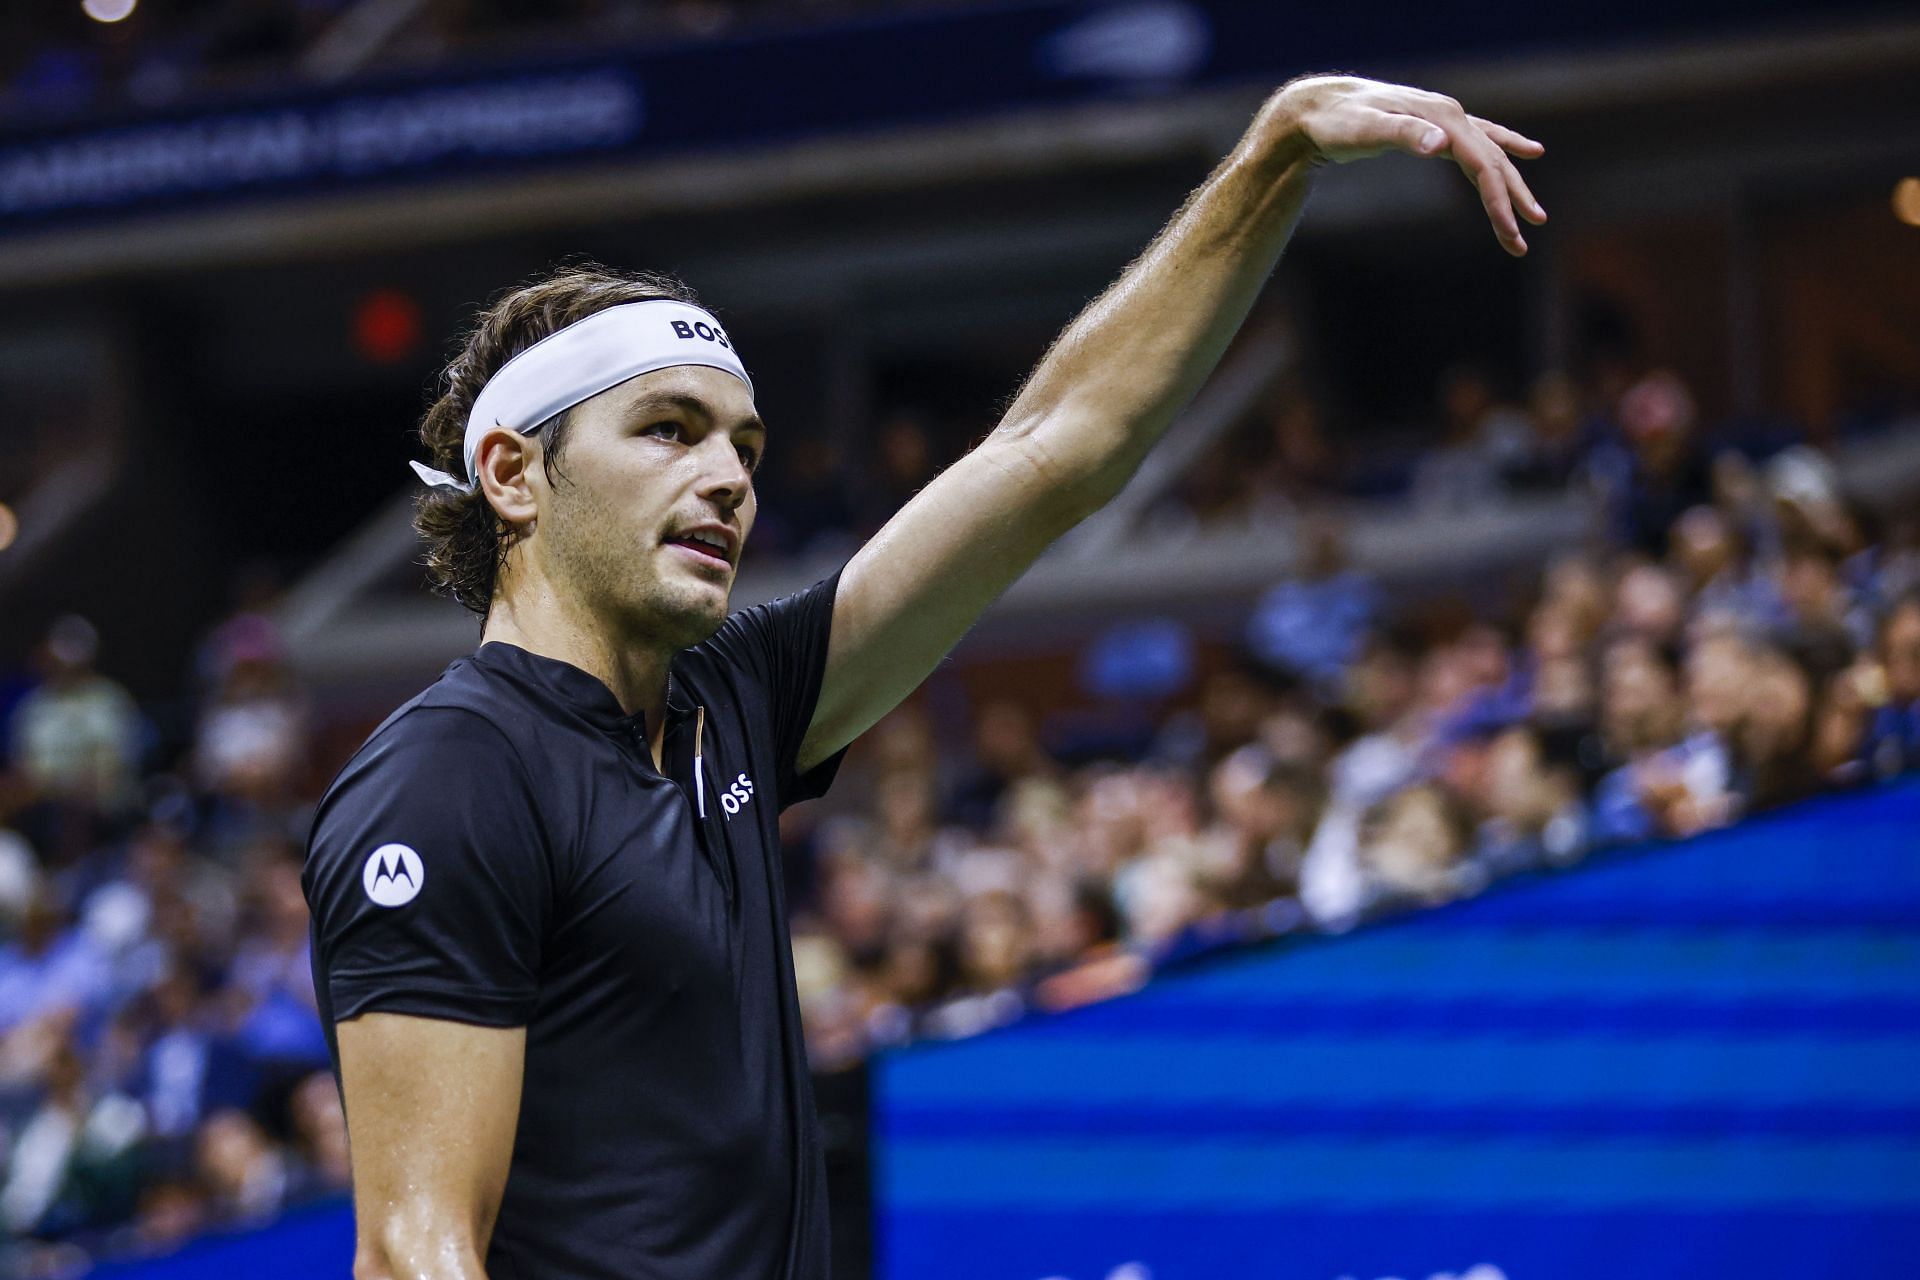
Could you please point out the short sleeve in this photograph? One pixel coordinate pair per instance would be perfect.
(783, 643)
(428, 877)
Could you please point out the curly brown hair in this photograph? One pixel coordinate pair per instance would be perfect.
(466, 539)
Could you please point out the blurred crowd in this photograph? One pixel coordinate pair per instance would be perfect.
(162, 1068)
(1738, 634)
(1635, 441)
(1631, 442)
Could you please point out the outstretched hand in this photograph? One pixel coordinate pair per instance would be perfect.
(1346, 118)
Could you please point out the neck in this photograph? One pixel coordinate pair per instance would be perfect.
(535, 618)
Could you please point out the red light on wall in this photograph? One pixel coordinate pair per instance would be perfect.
(386, 326)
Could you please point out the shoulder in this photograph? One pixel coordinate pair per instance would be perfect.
(462, 712)
(445, 751)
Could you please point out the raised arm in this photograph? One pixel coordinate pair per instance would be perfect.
(1115, 379)
(431, 1110)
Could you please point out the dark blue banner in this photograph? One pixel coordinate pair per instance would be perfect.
(1702, 1060)
(781, 86)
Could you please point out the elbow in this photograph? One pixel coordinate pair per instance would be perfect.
(1071, 482)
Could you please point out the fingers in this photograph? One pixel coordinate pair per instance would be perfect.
(1481, 149)
(1427, 124)
(1523, 199)
(1511, 144)
(1494, 196)
(1509, 140)
(1486, 165)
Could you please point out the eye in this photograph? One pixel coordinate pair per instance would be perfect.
(666, 429)
(749, 457)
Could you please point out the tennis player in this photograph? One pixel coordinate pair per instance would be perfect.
(549, 940)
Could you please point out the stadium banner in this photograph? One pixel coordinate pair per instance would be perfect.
(1700, 1059)
(775, 87)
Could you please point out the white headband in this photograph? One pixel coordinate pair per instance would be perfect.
(585, 358)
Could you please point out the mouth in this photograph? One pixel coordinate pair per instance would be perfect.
(711, 545)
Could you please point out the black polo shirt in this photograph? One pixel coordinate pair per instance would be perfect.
(503, 851)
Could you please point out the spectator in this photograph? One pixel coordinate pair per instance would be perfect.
(1820, 613)
(1266, 811)
(814, 510)
(1550, 454)
(320, 1134)
(1892, 691)
(1532, 809)
(180, 1067)
(171, 1210)
(252, 736)
(42, 1156)
(996, 951)
(1656, 470)
(1300, 461)
(1649, 604)
(75, 737)
(1006, 752)
(249, 1178)
(52, 967)
(904, 462)
(1413, 849)
(1714, 567)
(1774, 762)
(1310, 626)
(1479, 439)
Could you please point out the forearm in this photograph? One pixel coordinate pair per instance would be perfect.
(1118, 375)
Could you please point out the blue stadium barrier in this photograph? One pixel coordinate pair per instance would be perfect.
(1696, 1060)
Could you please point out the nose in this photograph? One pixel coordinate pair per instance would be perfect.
(724, 478)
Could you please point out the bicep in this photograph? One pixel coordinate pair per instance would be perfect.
(912, 592)
(431, 1106)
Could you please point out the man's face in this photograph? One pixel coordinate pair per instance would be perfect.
(651, 501)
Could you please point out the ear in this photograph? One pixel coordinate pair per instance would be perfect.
(508, 464)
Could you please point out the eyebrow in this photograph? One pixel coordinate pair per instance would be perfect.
(690, 404)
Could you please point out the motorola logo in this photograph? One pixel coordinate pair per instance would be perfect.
(393, 875)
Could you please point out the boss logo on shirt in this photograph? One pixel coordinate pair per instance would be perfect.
(393, 875)
(701, 329)
(735, 797)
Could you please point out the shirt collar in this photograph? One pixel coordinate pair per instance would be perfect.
(555, 680)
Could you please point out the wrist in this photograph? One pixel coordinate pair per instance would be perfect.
(1277, 139)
